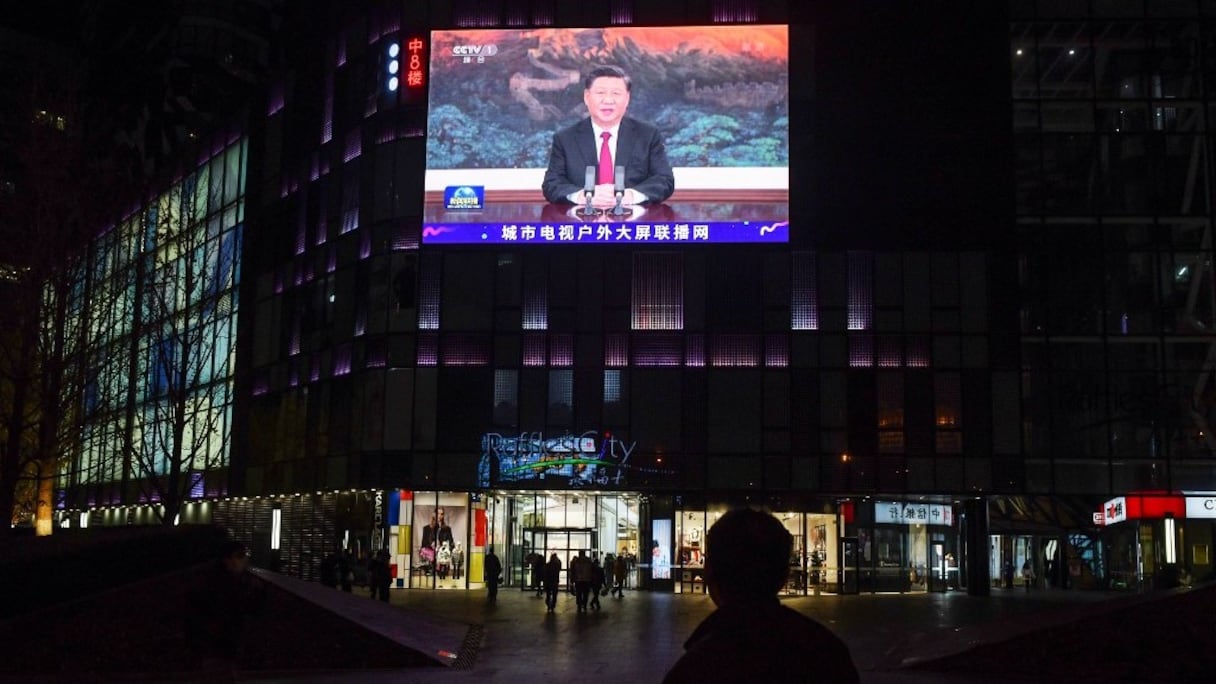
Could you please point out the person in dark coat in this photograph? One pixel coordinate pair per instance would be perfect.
(329, 571)
(552, 577)
(597, 582)
(536, 563)
(751, 637)
(380, 575)
(217, 608)
(346, 571)
(493, 574)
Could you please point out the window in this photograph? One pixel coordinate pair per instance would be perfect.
(658, 291)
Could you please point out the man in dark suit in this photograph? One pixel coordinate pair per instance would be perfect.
(605, 140)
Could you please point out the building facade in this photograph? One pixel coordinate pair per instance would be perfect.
(989, 315)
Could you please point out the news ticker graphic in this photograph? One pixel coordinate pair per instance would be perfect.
(606, 233)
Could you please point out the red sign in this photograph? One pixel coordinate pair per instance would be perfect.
(415, 75)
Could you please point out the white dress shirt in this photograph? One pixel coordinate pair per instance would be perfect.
(631, 196)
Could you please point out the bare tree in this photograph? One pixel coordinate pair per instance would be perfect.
(47, 358)
(185, 292)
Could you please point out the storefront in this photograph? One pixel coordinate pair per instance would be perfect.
(1158, 540)
(901, 546)
(814, 559)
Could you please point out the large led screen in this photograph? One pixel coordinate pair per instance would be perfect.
(611, 135)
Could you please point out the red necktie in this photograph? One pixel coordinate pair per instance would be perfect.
(605, 172)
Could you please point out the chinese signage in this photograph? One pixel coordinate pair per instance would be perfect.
(1201, 507)
(588, 459)
(605, 233)
(1115, 510)
(899, 513)
(414, 75)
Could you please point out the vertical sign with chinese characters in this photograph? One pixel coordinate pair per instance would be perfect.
(415, 76)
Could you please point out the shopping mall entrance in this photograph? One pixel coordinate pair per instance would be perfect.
(564, 523)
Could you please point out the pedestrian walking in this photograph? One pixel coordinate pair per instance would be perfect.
(380, 575)
(597, 583)
(536, 563)
(583, 573)
(346, 571)
(329, 571)
(493, 574)
(1007, 574)
(552, 576)
(1027, 575)
(620, 567)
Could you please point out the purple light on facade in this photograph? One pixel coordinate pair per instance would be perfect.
(327, 113)
(861, 351)
(377, 355)
(655, 235)
(804, 295)
(620, 12)
(465, 350)
(342, 360)
(386, 132)
(61, 499)
(341, 50)
(861, 291)
(616, 350)
(277, 100)
(888, 352)
(535, 307)
(776, 351)
(404, 237)
(428, 294)
(371, 106)
(657, 351)
(406, 130)
(314, 372)
(278, 281)
(476, 15)
(517, 15)
(916, 353)
(542, 13)
(300, 240)
(314, 167)
(533, 349)
(261, 385)
(354, 145)
(360, 320)
(331, 264)
(658, 291)
(694, 351)
(365, 246)
(561, 350)
(294, 348)
(428, 349)
(735, 351)
(734, 11)
(293, 375)
(197, 485)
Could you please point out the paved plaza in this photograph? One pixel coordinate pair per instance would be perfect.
(638, 637)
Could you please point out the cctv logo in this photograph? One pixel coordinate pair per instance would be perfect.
(475, 50)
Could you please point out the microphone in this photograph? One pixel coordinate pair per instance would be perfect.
(588, 191)
(619, 190)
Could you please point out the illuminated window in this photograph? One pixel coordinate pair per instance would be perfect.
(776, 351)
(561, 396)
(735, 350)
(948, 415)
(465, 350)
(612, 386)
(657, 350)
(694, 351)
(891, 413)
(534, 349)
(428, 294)
(535, 308)
(861, 291)
(804, 298)
(861, 351)
(561, 350)
(616, 350)
(658, 291)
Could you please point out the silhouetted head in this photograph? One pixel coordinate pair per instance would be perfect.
(234, 557)
(747, 556)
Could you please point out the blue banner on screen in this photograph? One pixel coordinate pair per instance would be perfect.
(464, 197)
(605, 233)
(608, 135)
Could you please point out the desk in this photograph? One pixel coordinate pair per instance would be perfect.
(514, 222)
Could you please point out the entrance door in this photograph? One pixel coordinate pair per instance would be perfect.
(848, 565)
(564, 542)
(938, 573)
